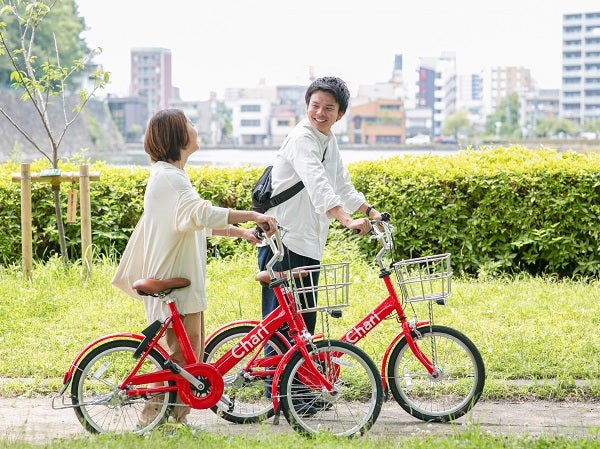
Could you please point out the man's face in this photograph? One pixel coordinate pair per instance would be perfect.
(323, 111)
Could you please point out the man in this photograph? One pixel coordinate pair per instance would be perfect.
(310, 153)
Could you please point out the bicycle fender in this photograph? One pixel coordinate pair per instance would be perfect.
(275, 385)
(386, 356)
(230, 325)
(67, 376)
(246, 323)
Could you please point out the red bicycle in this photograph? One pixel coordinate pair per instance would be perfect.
(434, 372)
(115, 376)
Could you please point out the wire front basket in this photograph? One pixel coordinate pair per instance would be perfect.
(320, 287)
(425, 278)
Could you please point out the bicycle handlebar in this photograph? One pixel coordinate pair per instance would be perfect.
(383, 231)
(276, 246)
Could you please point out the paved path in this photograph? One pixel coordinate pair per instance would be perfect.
(34, 420)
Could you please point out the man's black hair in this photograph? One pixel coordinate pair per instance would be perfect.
(334, 85)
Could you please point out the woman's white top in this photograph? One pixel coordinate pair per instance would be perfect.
(170, 241)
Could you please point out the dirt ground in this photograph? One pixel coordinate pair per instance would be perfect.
(34, 420)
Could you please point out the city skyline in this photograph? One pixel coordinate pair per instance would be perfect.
(216, 45)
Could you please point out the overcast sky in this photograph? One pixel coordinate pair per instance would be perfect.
(217, 44)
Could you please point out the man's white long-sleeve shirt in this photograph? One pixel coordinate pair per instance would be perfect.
(326, 185)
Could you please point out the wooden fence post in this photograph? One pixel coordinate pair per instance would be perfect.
(55, 177)
(86, 219)
(26, 236)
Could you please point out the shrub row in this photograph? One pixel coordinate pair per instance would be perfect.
(496, 210)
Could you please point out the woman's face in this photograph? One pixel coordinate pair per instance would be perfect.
(323, 111)
(192, 145)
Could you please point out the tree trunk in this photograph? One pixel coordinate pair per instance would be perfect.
(59, 223)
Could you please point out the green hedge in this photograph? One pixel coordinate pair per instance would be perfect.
(499, 210)
(496, 210)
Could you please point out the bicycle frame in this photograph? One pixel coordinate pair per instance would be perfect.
(208, 377)
(384, 309)
(387, 307)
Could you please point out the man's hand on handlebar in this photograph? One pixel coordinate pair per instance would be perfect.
(360, 226)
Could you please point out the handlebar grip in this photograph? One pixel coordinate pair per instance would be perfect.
(259, 232)
(386, 217)
(263, 229)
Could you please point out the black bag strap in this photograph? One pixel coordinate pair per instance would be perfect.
(289, 192)
(286, 194)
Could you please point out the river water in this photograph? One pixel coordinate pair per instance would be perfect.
(237, 157)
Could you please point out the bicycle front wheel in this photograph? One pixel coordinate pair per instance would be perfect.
(354, 405)
(247, 387)
(101, 406)
(457, 384)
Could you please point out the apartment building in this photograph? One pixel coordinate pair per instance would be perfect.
(437, 89)
(381, 122)
(580, 93)
(470, 98)
(151, 77)
(501, 81)
(207, 116)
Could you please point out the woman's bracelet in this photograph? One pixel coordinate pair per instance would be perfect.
(368, 211)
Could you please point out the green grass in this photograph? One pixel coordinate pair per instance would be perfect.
(183, 439)
(541, 332)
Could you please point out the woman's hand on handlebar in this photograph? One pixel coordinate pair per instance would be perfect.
(267, 223)
(251, 236)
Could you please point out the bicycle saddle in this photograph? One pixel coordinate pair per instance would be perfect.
(264, 278)
(152, 287)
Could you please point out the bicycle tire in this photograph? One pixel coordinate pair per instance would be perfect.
(451, 395)
(352, 411)
(100, 405)
(247, 393)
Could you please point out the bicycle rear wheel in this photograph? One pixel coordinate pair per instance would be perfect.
(459, 384)
(101, 406)
(246, 387)
(353, 410)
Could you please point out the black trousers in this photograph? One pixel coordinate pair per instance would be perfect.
(290, 260)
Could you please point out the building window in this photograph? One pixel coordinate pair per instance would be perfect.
(389, 107)
(250, 108)
(250, 123)
(387, 139)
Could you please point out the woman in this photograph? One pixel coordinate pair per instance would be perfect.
(170, 238)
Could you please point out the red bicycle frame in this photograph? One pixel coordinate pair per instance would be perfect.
(195, 374)
(383, 310)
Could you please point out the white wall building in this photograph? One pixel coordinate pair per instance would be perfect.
(580, 94)
(250, 121)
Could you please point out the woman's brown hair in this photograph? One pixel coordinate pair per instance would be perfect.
(166, 135)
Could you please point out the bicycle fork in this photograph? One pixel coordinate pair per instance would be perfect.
(308, 374)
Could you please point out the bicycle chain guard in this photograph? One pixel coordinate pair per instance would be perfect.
(211, 392)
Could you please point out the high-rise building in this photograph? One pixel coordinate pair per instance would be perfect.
(470, 97)
(151, 76)
(436, 88)
(500, 82)
(580, 93)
